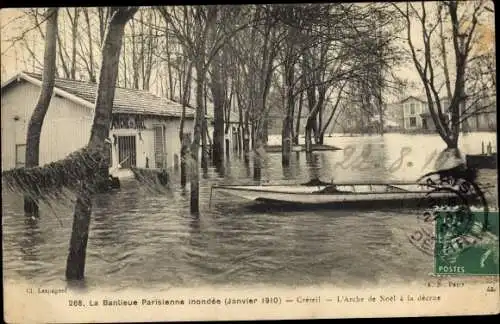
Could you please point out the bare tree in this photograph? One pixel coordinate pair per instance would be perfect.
(202, 32)
(42, 106)
(194, 41)
(89, 63)
(75, 267)
(74, 35)
(448, 111)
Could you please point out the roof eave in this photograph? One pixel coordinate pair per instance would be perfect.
(81, 101)
(57, 90)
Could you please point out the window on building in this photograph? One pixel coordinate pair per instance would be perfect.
(159, 146)
(412, 109)
(413, 121)
(20, 155)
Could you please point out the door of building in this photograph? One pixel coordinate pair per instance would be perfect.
(127, 151)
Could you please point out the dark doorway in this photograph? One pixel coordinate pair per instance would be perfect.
(424, 123)
(127, 151)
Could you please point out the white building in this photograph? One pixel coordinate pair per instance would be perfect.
(413, 108)
(144, 130)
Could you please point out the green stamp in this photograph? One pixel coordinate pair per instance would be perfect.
(463, 247)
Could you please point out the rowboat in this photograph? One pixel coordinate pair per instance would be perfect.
(340, 195)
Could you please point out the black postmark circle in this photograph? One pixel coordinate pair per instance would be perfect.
(452, 203)
(444, 202)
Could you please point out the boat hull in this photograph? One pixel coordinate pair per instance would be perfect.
(368, 195)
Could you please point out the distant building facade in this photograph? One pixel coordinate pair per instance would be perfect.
(413, 109)
(417, 117)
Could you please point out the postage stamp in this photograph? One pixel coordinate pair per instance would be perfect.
(462, 247)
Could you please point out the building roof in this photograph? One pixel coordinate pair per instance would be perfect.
(419, 98)
(131, 101)
(423, 98)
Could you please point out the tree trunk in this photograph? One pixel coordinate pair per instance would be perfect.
(75, 265)
(311, 126)
(287, 130)
(312, 106)
(169, 64)
(246, 140)
(297, 125)
(62, 60)
(332, 113)
(205, 145)
(227, 145)
(240, 127)
(36, 122)
(125, 70)
(240, 140)
(195, 145)
(74, 34)
(135, 63)
(218, 95)
(286, 140)
(91, 71)
(319, 138)
(381, 124)
(185, 138)
(308, 137)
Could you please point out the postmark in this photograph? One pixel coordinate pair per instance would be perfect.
(456, 226)
(429, 209)
(452, 195)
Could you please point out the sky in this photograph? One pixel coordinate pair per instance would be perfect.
(12, 24)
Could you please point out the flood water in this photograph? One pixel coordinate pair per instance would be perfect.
(141, 239)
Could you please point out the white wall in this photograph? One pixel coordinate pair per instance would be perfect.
(145, 142)
(66, 127)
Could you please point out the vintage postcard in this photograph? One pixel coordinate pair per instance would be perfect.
(248, 162)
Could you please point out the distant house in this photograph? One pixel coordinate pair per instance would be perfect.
(416, 115)
(413, 107)
(144, 131)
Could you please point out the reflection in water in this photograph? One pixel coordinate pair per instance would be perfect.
(223, 170)
(30, 244)
(313, 166)
(194, 225)
(288, 171)
(324, 164)
(143, 238)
